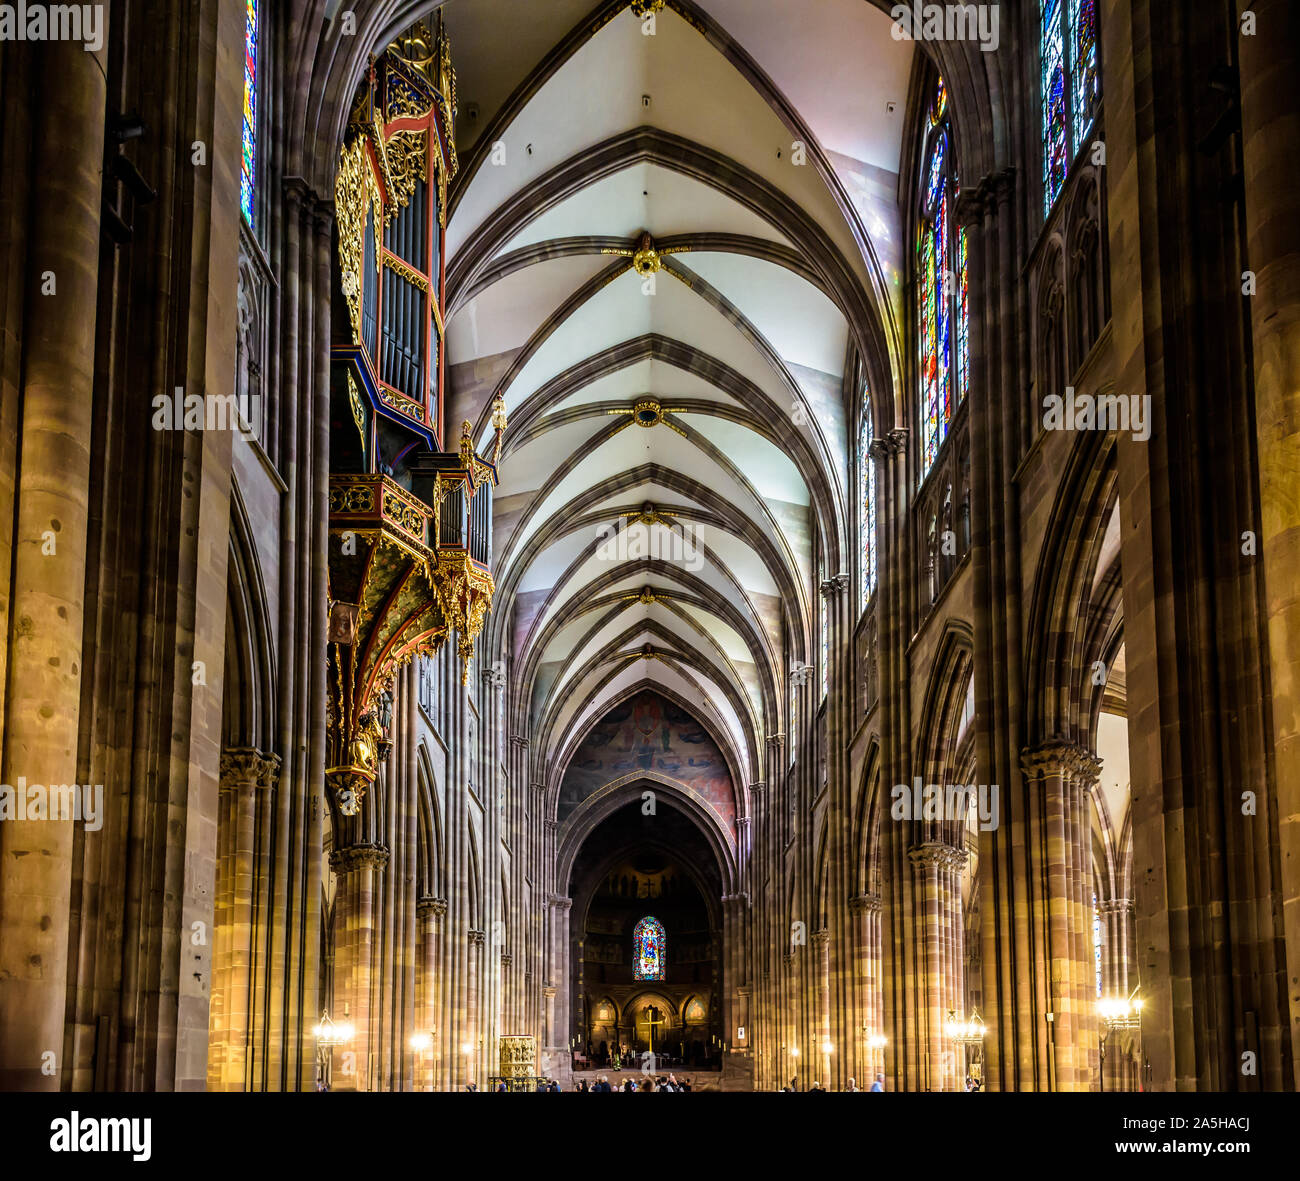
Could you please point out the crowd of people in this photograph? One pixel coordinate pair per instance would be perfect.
(602, 1085)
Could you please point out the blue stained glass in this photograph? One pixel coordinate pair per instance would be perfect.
(935, 179)
(248, 165)
(649, 949)
(963, 317)
(941, 262)
(1053, 80)
(1083, 66)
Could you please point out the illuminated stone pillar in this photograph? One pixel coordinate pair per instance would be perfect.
(1270, 137)
(239, 925)
(430, 913)
(42, 682)
(359, 869)
(820, 1052)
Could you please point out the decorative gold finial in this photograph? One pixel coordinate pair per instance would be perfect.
(643, 8)
(466, 443)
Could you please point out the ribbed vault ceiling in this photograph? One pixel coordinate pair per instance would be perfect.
(676, 548)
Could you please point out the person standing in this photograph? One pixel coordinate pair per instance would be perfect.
(853, 1085)
(879, 1084)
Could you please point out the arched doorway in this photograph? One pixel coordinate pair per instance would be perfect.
(646, 956)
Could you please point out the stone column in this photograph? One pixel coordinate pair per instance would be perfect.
(239, 923)
(45, 601)
(474, 1009)
(1117, 919)
(788, 1062)
(548, 997)
(560, 980)
(1057, 833)
(1270, 138)
(430, 913)
(356, 922)
(821, 1051)
(869, 1060)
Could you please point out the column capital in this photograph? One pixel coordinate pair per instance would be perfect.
(1059, 757)
(298, 193)
(868, 903)
(476, 937)
(821, 937)
(548, 991)
(429, 905)
(937, 854)
(506, 959)
(758, 787)
(518, 740)
(247, 766)
(355, 857)
(550, 825)
(776, 740)
(322, 214)
(560, 902)
(1001, 185)
(897, 439)
(539, 788)
(1116, 905)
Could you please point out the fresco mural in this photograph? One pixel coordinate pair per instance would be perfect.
(649, 733)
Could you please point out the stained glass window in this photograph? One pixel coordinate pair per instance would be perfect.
(939, 104)
(1053, 64)
(649, 949)
(1071, 84)
(248, 168)
(866, 506)
(963, 317)
(942, 292)
(1086, 83)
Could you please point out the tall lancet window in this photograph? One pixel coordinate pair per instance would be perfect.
(649, 949)
(1071, 85)
(866, 506)
(248, 166)
(942, 331)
